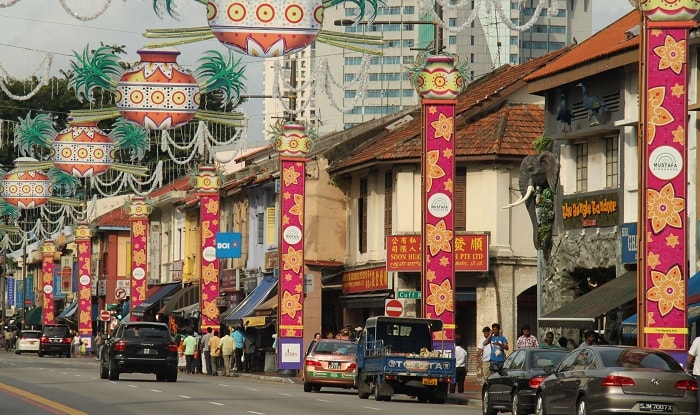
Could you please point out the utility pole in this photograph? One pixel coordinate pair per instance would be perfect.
(24, 279)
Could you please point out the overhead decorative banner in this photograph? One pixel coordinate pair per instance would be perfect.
(207, 184)
(662, 301)
(83, 236)
(138, 210)
(48, 250)
(438, 82)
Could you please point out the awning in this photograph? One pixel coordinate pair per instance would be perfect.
(33, 316)
(183, 298)
(246, 307)
(268, 306)
(583, 311)
(68, 311)
(188, 311)
(374, 300)
(153, 297)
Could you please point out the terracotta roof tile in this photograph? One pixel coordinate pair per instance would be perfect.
(182, 183)
(607, 42)
(116, 217)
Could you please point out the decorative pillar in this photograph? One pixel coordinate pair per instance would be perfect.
(207, 184)
(292, 144)
(48, 249)
(662, 272)
(83, 240)
(438, 82)
(138, 210)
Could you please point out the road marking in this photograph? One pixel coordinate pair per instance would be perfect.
(132, 386)
(155, 390)
(256, 413)
(372, 408)
(322, 400)
(216, 403)
(287, 394)
(183, 396)
(40, 400)
(253, 389)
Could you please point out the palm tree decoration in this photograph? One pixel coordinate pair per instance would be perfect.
(268, 29)
(157, 93)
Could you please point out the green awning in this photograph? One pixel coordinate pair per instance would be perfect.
(33, 316)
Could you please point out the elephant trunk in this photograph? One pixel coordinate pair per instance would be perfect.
(523, 199)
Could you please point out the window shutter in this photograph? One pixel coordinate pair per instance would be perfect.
(460, 199)
(270, 225)
(362, 206)
(388, 203)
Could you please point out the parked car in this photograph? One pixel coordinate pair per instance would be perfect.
(28, 341)
(140, 347)
(55, 339)
(513, 388)
(617, 379)
(330, 363)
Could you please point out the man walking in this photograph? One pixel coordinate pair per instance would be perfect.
(499, 345)
(226, 345)
(190, 345)
(205, 350)
(238, 343)
(483, 357)
(461, 365)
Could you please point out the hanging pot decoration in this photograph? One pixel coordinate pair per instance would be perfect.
(83, 150)
(665, 10)
(291, 139)
(263, 28)
(26, 189)
(437, 76)
(157, 93)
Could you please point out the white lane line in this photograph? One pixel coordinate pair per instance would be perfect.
(322, 400)
(286, 394)
(372, 408)
(132, 386)
(179, 396)
(216, 403)
(256, 413)
(250, 389)
(220, 384)
(152, 390)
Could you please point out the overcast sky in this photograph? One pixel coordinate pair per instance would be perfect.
(30, 28)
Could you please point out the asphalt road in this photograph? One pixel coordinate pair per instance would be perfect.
(30, 385)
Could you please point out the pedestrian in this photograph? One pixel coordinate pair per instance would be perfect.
(8, 339)
(483, 357)
(249, 348)
(461, 365)
(227, 348)
(563, 342)
(549, 342)
(692, 365)
(198, 354)
(344, 334)
(215, 352)
(499, 346)
(99, 343)
(317, 337)
(526, 339)
(190, 346)
(238, 343)
(76, 345)
(590, 338)
(205, 350)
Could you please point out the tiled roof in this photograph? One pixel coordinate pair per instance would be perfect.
(182, 183)
(607, 42)
(486, 125)
(116, 218)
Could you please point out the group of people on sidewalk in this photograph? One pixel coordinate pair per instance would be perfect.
(216, 352)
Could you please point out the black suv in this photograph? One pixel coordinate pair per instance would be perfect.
(55, 339)
(140, 347)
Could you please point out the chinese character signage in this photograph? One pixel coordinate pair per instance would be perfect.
(471, 253)
(365, 280)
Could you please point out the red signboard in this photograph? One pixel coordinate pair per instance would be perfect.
(404, 253)
(105, 315)
(365, 280)
(393, 308)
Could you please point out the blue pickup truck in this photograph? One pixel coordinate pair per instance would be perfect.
(396, 355)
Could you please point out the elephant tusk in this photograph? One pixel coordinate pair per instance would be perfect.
(523, 199)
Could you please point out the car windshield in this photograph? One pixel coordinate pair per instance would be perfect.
(30, 335)
(56, 331)
(540, 359)
(335, 348)
(638, 358)
(136, 333)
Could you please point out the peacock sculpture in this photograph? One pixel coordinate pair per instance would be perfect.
(564, 114)
(593, 105)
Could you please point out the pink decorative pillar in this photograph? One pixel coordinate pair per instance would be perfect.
(138, 210)
(662, 273)
(48, 249)
(207, 184)
(292, 144)
(83, 237)
(438, 83)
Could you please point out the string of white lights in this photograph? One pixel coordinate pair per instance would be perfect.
(94, 16)
(155, 181)
(44, 80)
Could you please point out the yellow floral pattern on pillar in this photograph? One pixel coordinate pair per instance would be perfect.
(668, 290)
(441, 297)
(209, 274)
(138, 227)
(657, 115)
(290, 176)
(664, 208)
(140, 257)
(433, 170)
(211, 310)
(444, 127)
(290, 304)
(672, 54)
(439, 238)
(298, 208)
(292, 259)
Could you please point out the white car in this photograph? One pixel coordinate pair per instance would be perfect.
(28, 341)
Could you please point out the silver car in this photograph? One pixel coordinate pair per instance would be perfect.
(617, 379)
(28, 341)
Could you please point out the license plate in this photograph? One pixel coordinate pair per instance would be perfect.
(655, 407)
(55, 340)
(147, 351)
(430, 381)
(333, 365)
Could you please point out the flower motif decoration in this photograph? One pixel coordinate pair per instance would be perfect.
(138, 228)
(209, 274)
(667, 342)
(290, 176)
(140, 257)
(672, 55)
(210, 310)
(658, 115)
(206, 230)
(668, 290)
(292, 259)
(298, 208)
(664, 208)
(433, 170)
(441, 297)
(444, 127)
(141, 292)
(438, 238)
(290, 304)
(212, 206)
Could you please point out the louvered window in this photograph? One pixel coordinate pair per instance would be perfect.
(460, 195)
(388, 204)
(582, 167)
(362, 216)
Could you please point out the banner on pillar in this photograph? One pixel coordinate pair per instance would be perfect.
(83, 236)
(48, 250)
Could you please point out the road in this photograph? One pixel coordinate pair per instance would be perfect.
(30, 385)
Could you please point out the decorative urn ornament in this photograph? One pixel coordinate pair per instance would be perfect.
(83, 150)
(157, 93)
(437, 77)
(207, 179)
(292, 140)
(670, 10)
(263, 28)
(26, 189)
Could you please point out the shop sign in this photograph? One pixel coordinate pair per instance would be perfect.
(471, 253)
(270, 260)
(601, 210)
(628, 237)
(370, 279)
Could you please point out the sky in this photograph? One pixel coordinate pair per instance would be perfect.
(31, 28)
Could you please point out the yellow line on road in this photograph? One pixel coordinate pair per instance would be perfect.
(41, 400)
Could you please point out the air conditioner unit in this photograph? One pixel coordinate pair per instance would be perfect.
(277, 185)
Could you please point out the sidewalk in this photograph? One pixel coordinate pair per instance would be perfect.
(471, 395)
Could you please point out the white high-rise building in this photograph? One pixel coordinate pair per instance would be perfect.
(485, 43)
